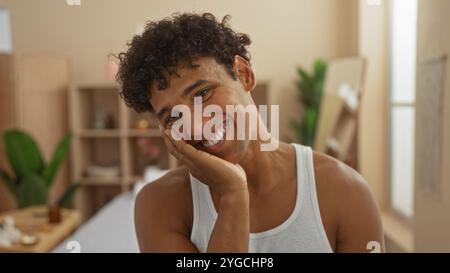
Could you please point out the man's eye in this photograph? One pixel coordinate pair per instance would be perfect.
(203, 93)
(170, 119)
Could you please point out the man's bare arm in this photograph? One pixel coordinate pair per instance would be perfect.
(232, 229)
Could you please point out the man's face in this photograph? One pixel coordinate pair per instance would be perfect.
(213, 83)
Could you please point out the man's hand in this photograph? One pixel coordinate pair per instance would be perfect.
(232, 228)
(220, 175)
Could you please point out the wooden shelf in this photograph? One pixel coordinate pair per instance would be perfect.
(95, 181)
(95, 133)
(152, 132)
(110, 133)
(105, 86)
(120, 146)
(132, 179)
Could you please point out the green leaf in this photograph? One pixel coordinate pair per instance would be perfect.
(319, 67)
(310, 86)
(8, 182)
(304, 74)
(32, 191)
(306, 80)
(23, 153)
(298, 130)
(57, 158)
(310, 119)
(66, 200)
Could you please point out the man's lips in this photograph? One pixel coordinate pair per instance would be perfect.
(214, 140)
(218, 136)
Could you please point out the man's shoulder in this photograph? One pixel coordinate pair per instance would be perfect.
(173, 186)
(335, 171)
(339, 182)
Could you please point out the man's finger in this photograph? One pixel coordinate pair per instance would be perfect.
(172, 149)
(184, 148)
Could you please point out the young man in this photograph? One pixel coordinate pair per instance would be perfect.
(229, 195)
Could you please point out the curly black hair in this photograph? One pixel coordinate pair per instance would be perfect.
(173, 41)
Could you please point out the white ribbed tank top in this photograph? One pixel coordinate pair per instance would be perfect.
(302, 231)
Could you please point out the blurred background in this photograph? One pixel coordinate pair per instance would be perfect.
(362, 80)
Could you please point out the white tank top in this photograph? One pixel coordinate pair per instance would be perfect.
(303, 231)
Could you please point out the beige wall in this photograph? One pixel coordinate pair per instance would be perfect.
(432, 215)
(372, 127)
(285, 34)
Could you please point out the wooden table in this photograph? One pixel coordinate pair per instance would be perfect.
(34, 220)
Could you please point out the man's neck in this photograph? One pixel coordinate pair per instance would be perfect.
(265, 169)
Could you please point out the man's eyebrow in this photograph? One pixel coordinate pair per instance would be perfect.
(192, 87)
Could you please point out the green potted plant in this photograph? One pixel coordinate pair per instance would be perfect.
(310, 87)
(33, 176)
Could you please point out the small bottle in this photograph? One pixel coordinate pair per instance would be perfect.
(54, 214)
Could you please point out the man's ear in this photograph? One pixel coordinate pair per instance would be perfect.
(244, 73)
